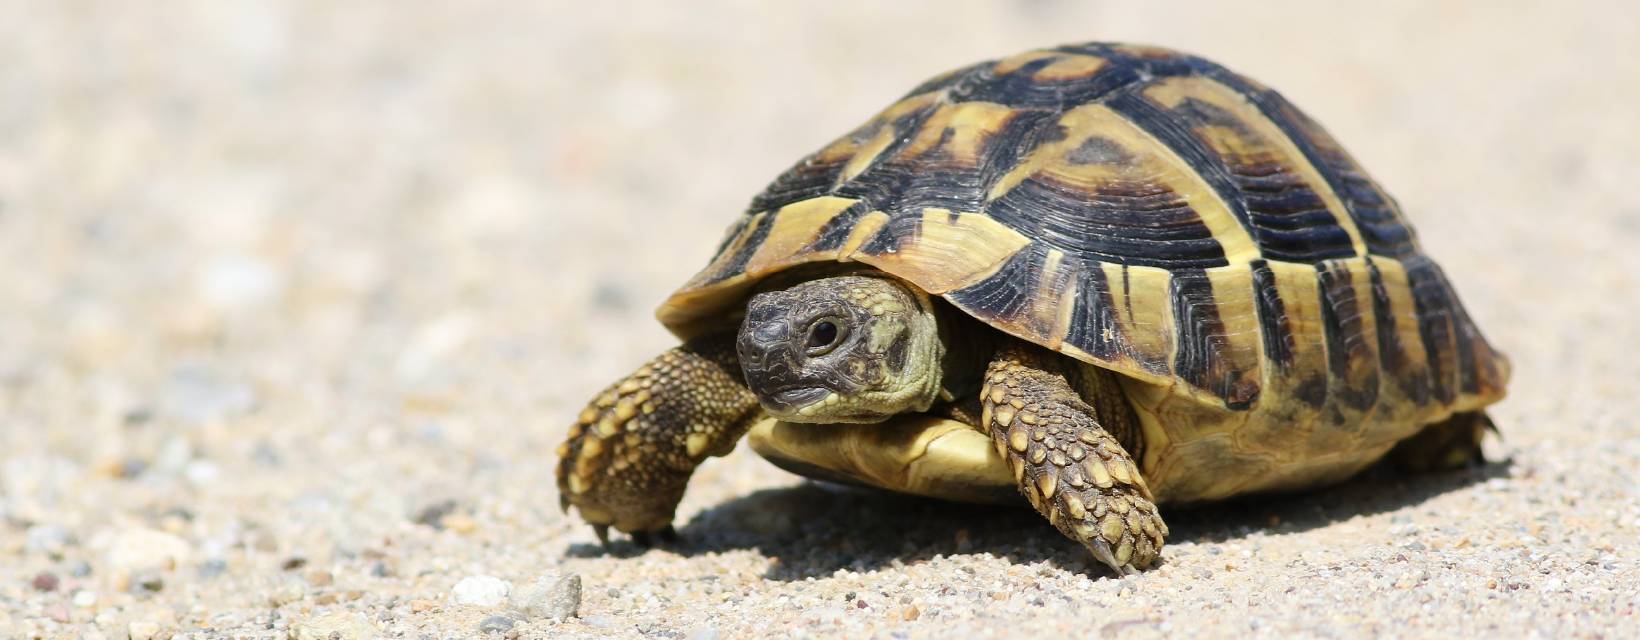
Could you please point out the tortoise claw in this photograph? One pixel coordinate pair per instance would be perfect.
(1101, 552)
(602, 531)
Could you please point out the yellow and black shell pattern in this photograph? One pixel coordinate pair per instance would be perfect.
(1155, 214)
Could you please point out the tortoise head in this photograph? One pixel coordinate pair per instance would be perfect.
(842, 349)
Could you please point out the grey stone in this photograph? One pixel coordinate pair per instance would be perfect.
(496, 624)
(551, 599)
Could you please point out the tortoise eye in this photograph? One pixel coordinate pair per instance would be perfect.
(823, 337)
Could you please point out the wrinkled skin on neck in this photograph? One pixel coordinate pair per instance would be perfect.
(853, 348)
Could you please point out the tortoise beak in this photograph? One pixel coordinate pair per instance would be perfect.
(788, 401)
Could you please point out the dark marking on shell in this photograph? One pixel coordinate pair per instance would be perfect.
(1286, 218)
(1203, 357)
(1008, 293)
(1467, 336)
(1277, 332)
(1391, 353)
(1132, 224)
(1099, 150)
(836, 231)
(902, 229)
(1433, 300)
(1354, 373)
(1372, 210)
(886, 182)
(1019, 90)
(737, 264)
(810, 177)
(1093, 327)
(1312, 391)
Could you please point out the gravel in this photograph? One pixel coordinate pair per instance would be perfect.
(282, 280)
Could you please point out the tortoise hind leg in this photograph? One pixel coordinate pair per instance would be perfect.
(1451, 444)
(630, 453)
(1069, 465)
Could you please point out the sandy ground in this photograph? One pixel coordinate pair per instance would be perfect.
(296, 302)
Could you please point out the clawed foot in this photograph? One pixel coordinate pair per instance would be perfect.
(1125, 542)
(629, 455)
(665, 536)
(1453, 444)
(1070, 468)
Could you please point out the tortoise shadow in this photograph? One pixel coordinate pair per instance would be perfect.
(813, 530)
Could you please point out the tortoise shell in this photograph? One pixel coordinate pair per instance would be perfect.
(1151, 213)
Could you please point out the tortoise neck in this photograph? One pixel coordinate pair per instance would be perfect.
(968, 348)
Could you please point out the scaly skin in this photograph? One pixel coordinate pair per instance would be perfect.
(1073, 470)
(629, 455)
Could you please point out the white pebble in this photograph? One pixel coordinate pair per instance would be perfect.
(85, 598)
(142, 630)
(201, 473)
(147, 550)
(481, 591)
(240, 281)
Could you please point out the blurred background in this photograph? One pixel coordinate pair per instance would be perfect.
(277, 276)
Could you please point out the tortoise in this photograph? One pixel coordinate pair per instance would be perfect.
(1100, 276)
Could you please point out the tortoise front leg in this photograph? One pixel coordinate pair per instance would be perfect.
(1071, 467)
(630, 453)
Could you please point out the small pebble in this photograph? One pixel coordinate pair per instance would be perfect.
(199, 396)
(142, 630)
(46, 581)
(433, 514)
(459, 523)
(85, 598)
(708, 633)
(136, 550)
(601, 621)
(334, 626)
(147, 582)
(212, 568)
(496, 624)
(481, 591)
(289, 592)
(46, 538)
